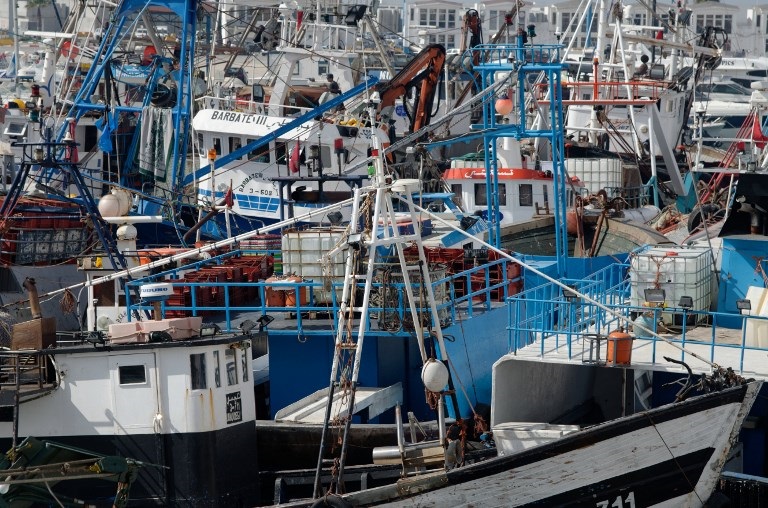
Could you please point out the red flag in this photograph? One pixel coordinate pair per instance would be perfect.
(229, 198)
(660, 35)
(293, 163)
(757, 133)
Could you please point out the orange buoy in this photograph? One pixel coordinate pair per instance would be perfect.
(146, 57)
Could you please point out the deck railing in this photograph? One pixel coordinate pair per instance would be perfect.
(555, 319)
(477, 289)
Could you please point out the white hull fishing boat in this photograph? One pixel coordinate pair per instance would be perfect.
(271, 173)
(170, 394)
(669, 456)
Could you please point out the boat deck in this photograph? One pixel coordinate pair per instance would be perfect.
(699, 351)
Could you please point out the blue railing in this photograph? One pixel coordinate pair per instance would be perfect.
(551, 318)
(477, 289)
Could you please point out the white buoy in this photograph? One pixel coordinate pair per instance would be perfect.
(434, 375)
(124, 198)
(126, 232)
(109, 206)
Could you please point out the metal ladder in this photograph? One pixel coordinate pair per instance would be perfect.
(349, 343)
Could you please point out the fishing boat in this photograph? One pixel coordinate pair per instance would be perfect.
(168, 393)
(648, 459)
(274, 173)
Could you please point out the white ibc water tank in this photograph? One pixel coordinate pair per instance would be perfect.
(596, 173)
(304, 254)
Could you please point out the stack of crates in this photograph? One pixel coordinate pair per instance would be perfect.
(678, 270)
(265, 244)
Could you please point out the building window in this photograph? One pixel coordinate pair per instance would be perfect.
(526, 194)
(132, 374)
(493, 20)
(197, 371)
(565, 21)
(546, 194)
(451, 18)
(230, 361)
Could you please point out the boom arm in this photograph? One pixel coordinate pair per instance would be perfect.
(422, 74)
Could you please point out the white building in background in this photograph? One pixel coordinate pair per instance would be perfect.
(430, 22)
(47, 20)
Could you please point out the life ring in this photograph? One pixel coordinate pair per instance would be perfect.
(333, 501)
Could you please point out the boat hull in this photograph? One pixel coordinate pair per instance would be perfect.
(181, 469)
(670, 456)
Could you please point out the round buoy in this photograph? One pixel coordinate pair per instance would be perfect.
(434, 375)
(124, 198)
(504, 105)
(109, 206)
(126, 232)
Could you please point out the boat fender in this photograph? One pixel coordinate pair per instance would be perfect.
(332, 501)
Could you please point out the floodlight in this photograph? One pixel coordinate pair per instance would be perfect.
(743, 304)
(686, 302)
(655, 295)
(264, 321)
(247, 325)
(569, 293)
(355, 240)
(335, 217)
(209, 329)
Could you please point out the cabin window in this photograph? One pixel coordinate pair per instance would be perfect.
(132, 374)
(260, 154)
(197, 371)
(217, 145)
(502, 194)
(526, 194)
(235, 144)
(216, 369)
(456, 189)
(280, 151)
(546, 194)
(244, 358)
(230, 361)
(200, 143)
(481, 199)
(322, 67)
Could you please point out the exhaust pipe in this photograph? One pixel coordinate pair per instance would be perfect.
(34, 301)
